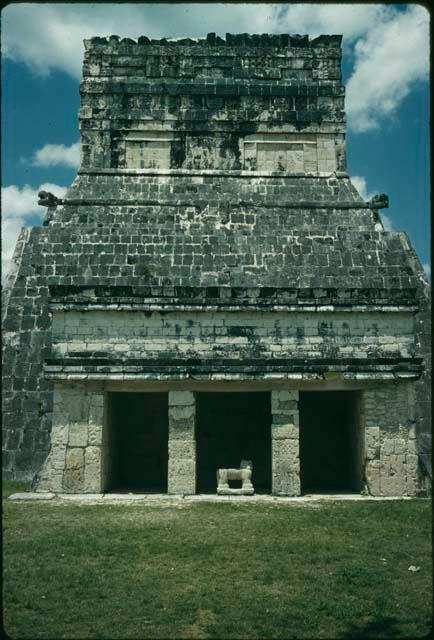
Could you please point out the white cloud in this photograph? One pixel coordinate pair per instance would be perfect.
(391, 52)
(390, 43)
(427, 268)
(19, 208)
(350, 20)
(392, 56)
(360, 183)
(387, 222)
(50, 36)
(51, 155)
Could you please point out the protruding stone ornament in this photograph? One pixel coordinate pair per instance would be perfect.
(379, 201)
(47, 199)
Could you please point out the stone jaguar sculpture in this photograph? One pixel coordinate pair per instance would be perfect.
(244, 473)
(47, 199)
(379, 201)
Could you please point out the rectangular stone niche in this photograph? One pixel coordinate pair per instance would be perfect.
(289, 152)
(142, 149)
(147, 154)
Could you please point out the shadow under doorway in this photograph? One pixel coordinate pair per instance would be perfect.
(231, 427)
(330, 442)
(138, 442)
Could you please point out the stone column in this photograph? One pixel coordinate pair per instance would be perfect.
(285, 443)
(391, 461)
(74, 462)
(96, 448)
(182, 443)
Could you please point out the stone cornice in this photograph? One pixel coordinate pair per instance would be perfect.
(283, 40)
(221, 173)
(95, 366)
(290, 204)
(278, 298)
(232, 87)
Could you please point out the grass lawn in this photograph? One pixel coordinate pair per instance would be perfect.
(217, 570)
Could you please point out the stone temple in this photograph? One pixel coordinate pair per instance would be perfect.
(212, 288)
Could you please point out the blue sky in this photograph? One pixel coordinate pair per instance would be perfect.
(385, 69)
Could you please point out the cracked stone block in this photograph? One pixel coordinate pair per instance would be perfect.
(78, 434)
(92, 469)
(373, 473)
(285, 431)
(74, 458)
(183, 412)
(59, 434)
(95, 432)
(179, 398)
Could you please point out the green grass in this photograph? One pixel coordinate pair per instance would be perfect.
(217, 570)
(14, 486)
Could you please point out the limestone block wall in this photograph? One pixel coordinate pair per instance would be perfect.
(206, 167)
(285, 459)
(232, 335)
(290, 152)
(276, 151)
(78, 441)
(192, 103)
(79, 457)
(26, 341)
(182, 443)
(391, 461)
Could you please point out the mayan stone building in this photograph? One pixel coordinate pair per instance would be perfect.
(213, 288)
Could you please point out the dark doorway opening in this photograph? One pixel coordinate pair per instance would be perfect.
(138, 442)
(231, 427)
(330, 443)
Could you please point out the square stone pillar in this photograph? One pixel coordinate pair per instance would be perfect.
(96, 450)
(390, 451)
(74, 462)
(182, 443)
(285, 443)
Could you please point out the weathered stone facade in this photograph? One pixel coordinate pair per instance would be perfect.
(213, 241)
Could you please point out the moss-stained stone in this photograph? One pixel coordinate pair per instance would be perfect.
(212, 233)
(182, 444)
(285, 443)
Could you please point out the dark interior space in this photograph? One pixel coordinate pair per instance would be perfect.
(330, 460)
(231, 427)
(138, 442)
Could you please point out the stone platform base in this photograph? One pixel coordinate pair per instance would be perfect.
(164, 499)
(235, 492)
(28, 495)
